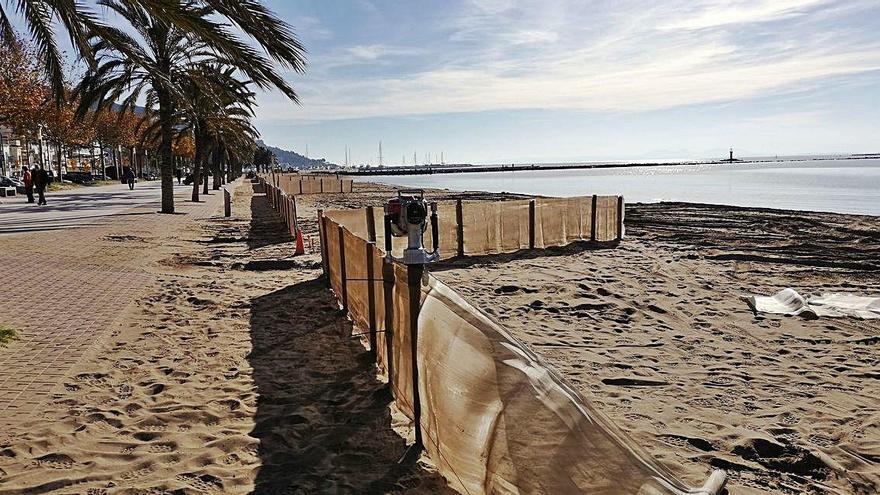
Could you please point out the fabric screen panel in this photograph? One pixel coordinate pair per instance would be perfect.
(401, 347)
(606, 218)
(354, 220)
(356, 283)
(577, 218)
(495, 419)
(550, 217)
(482, 227)
(514, 225)
(311, 187)
(333, 260)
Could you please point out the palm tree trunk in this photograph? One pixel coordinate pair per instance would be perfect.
(103, 166)
(206, 168)
(58, 152)
(166, 154)
(197, 169)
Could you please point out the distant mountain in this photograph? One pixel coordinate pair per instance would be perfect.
(293, 159)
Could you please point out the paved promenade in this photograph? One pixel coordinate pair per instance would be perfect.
(69, 270)
(79, 207)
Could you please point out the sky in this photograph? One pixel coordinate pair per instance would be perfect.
(529, 81)
(496, 81)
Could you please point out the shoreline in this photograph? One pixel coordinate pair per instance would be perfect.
(464, 168)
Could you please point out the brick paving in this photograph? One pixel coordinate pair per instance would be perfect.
(64, 289)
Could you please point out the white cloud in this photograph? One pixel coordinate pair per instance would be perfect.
(720, 13)
(500, 55)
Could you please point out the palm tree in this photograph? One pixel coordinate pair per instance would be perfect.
(172, 35)
(205, 19)
(218, 113)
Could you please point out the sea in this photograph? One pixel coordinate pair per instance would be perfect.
(829, 185)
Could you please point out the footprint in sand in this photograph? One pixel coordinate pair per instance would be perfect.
(55, 461)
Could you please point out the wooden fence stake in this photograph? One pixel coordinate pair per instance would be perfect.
(388, 291)
(371, 297)
(414, 281)
(459, 221)
(532, 224)
(593, 213)
(322, 233)
(371, 225)
(342, 269)
(620, 218)
(295, 218)
(227, 203)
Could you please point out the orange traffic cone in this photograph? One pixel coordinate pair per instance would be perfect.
(300, 249)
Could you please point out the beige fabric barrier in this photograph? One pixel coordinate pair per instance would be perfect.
(494, 418)
(489, 227)
(297, 184)
(497, 420)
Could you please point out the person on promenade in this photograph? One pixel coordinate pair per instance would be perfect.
(28, 180)
(179, 175)
(129, 177)
(41, 180)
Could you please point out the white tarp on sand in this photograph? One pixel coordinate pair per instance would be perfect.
(789, 302)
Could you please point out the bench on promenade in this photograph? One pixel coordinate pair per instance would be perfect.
(7, 192)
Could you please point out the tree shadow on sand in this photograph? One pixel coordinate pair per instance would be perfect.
(322, 415)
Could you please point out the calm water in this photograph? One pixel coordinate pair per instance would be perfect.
(842, 186)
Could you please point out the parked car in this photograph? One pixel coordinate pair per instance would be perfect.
(79, 177)
(10, 182)
(149, 176)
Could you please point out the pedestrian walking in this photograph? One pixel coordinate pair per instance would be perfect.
(28, 180)
(129, 177)
(41, 180)
(179, 176)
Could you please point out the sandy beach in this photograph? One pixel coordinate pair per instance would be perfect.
(234, 373)
(657, 334)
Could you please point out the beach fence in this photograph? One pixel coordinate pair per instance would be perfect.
(283, 203)
(492, 416)
(295, 184)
